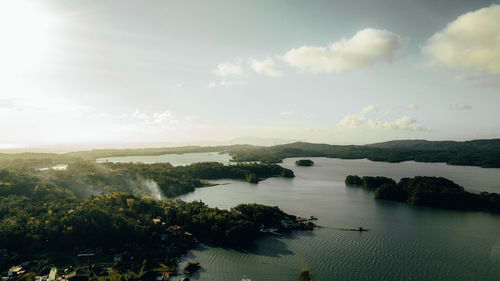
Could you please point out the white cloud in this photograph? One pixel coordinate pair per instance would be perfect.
(405, 123)
(460, 107)
(412, 106)
(364, 49)
(360, 120)
(162, 117)
(155, 118)
(138, 115)
(228, 69)
(357, 119)
(472, 42)
(212, 84)
(265, 67)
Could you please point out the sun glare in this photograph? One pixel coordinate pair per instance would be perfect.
(25, 28)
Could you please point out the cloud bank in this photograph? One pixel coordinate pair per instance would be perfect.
(365, 48)
(472, 41)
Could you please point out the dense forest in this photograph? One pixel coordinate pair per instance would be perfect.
(83, 178)
(434, 192)
(45, 215)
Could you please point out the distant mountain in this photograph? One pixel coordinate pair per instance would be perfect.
(484, 153)
(484, 144)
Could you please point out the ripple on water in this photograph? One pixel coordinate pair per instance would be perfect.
(404, 242)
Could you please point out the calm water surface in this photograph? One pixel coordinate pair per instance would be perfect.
(404, 242)
(174, 159)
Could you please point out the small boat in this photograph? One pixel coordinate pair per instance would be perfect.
(359, 229)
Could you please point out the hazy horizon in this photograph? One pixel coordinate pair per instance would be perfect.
(114, 73)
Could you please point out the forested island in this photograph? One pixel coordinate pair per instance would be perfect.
(304, 162)
(434, 192)
(113, 221)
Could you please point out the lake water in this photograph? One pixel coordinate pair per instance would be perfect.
(174, 159)
(404, 242)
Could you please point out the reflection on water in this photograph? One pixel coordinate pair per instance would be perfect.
(174, 159)
(404, 242)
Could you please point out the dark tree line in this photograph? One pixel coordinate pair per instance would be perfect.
(435, 192)
(484, 153)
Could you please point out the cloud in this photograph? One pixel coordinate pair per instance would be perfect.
(212, 84)
(359, 120)
(405, 123)
(364, 49)
(460, 107)
(265, 67)
(412, 106)
(155, 118)
(472, 42)
(228, 69)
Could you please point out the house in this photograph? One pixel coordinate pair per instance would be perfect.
(15, 270)
(52, 274)
(85, 252)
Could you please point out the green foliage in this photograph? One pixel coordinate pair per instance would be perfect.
(375, 182)
(304, 162)
(353, 180)
(83, 178)
(107, 206)
(368, 182)
(391, 192)
(55, 209)
(260, 214)
(118, 219)
(435, 192)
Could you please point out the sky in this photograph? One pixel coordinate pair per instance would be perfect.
(114, 72)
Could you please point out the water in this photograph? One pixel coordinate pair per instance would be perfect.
(56, 167)
(404, 242)
(174, 159)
